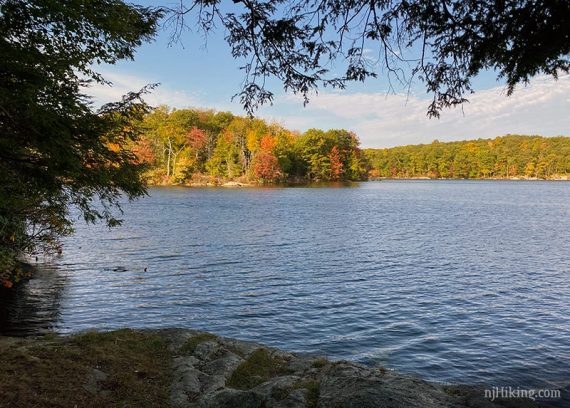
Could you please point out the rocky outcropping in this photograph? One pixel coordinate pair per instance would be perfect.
(212, 371)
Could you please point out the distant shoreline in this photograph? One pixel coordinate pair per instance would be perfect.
(235, 184)
(560, 178)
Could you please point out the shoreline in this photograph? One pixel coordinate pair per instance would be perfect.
(189, 368)
(237, 185)
(562, 178)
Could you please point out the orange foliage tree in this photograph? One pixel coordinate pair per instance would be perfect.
(197, 139)
(266, 167)
(143, 151)
(336, 164)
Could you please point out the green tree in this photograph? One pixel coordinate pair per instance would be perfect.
(55, 151)
(225, 160)
(507, 156)
(314, 148)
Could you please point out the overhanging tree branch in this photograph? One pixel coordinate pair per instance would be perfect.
(444, 43)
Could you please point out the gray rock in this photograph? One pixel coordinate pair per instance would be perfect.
(211, 383)
(223, 366)
(241, 348)
(295, 399)
(186, 387)
(277, 388)
(299, 363)
(92, 385)
(200, 382)
(208, 350)
(350, 385)
(181, 362)
(229, 398)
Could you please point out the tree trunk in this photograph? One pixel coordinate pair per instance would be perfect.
(169, 158)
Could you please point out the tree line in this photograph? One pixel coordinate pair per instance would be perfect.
(510, 156)
(197, 146)
(193, 146)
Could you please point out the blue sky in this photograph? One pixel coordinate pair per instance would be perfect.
(202, 73)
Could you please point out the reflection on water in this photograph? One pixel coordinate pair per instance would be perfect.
(454, 281)
(34, 307)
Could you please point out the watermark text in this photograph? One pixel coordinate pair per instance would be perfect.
(516, 392)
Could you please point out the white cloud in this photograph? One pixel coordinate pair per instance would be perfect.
(383, 120)
(123, 83)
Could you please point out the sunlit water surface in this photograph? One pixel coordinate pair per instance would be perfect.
(457, 281)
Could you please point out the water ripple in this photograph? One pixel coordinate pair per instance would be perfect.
(454, 281)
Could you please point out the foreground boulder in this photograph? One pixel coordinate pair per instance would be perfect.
(215, 372)
(187, 368)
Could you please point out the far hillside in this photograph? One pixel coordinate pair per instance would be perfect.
(506, 157)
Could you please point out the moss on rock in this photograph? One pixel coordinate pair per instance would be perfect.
(259, 367)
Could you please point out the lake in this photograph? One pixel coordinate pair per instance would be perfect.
(457, 281)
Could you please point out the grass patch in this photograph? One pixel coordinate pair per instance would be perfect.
(260, 366)
(52, 372)
(193, 342)
(453, 391)
(314, 389)
(320, 362)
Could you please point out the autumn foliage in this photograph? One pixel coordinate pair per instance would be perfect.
(336, 164)
(510, 156)
(197, 139)
(266, 167)
(182, 146)
(143, 151)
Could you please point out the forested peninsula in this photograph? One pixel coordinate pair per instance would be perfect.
(204, 147)
(200, 147)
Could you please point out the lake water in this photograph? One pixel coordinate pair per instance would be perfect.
(457, 281)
